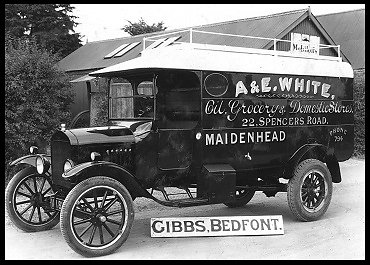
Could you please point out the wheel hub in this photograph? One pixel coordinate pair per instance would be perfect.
(98, 218)
(102, 218)
(37, 199)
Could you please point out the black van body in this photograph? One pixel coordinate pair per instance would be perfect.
(220, 126)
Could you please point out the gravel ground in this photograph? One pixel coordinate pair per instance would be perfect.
(340, 234)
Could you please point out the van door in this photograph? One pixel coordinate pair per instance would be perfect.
(178, 105)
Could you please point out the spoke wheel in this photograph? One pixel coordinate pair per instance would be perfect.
(313, 191)
(28, 201)
(97, 216)
(310, 190)
(242, 197)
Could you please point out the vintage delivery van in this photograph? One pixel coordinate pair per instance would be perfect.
(220, 123)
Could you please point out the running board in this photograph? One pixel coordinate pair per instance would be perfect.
(183, 202)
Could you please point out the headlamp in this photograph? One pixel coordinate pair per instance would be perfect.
(42, 165)
(95, 156)
(33, 150)
(68, 164)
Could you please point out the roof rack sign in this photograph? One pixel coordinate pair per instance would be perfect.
(303, 43)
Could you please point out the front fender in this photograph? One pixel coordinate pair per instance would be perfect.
(29, 160)
(108, 169)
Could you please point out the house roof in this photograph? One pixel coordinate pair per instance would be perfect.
(91, 55)
(348, 30)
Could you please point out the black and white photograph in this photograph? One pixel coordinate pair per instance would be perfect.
(184, 132)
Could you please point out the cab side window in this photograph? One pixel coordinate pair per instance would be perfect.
(120, 99)
(144, 100)
(178, 100)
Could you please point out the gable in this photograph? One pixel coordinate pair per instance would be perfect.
(348, 30)
(307, 27)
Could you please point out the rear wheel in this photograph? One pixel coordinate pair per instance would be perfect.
(96, 216)
(28, 205)
(242, 197)
(309, 190)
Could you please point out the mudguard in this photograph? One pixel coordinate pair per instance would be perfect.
(30, 160)
(108, 169)
(322, 153)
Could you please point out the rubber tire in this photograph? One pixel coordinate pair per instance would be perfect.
(240, 202)
(10, 189)
(66, 211)
(293, 190)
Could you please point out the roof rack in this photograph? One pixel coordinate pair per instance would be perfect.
(227, 48)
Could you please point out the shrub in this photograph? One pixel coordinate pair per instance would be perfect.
(99, 104)
(359, 99)
(37, 96)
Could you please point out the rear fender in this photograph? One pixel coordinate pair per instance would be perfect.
(317, 151)
(103, 168)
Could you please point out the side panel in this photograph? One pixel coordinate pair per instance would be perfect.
(258, 121)
(175, 149)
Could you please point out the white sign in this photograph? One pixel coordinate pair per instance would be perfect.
(303, 43)
(217, 226)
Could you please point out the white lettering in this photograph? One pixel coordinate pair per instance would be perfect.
(245, 137)
(234, 138)
(210, 139)
(282, 136)
(324, 90)
(315, 86)
(251, 137)
(285, 83)
(241, 138)
(299, 85)
(264, 84)
(219, 139)
(240, 88)
(308, 86)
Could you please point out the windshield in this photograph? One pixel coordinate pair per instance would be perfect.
(131, 98)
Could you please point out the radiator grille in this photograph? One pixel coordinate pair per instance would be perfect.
(120, 154)
(60, 151)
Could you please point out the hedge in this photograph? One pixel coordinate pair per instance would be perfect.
(359, 99)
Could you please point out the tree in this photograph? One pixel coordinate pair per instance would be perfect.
(142, 27)
(37, 96)
(50, 24)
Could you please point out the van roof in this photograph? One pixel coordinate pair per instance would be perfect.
(194, 56)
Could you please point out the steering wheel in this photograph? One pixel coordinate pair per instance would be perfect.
(141, 112)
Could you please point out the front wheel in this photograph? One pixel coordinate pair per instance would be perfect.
(309, 190)
(28, 204)
(97, 216)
